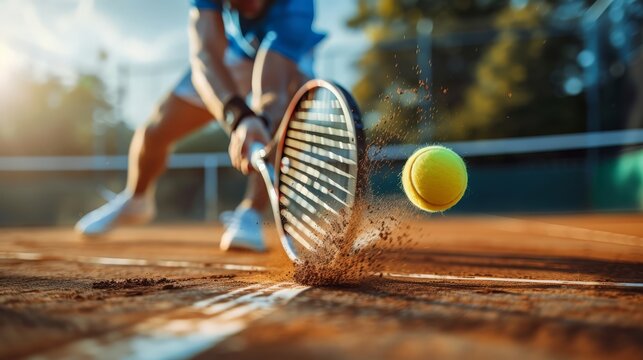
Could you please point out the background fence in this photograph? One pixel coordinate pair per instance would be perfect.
(529, 175)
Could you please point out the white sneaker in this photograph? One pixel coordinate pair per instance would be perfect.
(243, 231)
(124, 209)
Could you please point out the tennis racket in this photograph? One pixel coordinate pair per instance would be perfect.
(319, 153)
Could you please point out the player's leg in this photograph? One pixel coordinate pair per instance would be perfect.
(256, 196)
(296, 75)
(243, 228)
(173, 119)
(243, 225)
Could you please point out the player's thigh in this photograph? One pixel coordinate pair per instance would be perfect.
(175, 118)
(240, 68)
(292, 73)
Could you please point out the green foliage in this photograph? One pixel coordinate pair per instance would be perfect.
(48, 117)
(500, 88)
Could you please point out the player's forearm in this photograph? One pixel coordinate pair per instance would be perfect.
(210, 76)
(212, 82)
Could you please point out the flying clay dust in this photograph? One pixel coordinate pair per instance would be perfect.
(357, 245)
(353, 248)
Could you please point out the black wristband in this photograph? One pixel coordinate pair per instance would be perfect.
(235, 109)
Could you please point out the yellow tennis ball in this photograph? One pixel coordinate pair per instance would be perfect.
(434, 178)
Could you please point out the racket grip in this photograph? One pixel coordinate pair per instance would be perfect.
(256, 155)
(258, 162)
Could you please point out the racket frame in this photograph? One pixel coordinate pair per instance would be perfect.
(260, 155)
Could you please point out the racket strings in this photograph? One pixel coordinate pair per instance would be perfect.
(318, 169)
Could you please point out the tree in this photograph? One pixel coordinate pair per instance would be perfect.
(49, 117)
(499, 86)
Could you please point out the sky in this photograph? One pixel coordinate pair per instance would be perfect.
(143, 44)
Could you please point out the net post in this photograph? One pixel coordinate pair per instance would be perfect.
(210, 185)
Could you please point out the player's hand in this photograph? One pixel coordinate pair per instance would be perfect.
(249, 131)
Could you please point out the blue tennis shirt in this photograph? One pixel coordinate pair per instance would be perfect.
(286, 28)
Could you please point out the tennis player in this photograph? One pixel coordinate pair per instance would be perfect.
(248, 57)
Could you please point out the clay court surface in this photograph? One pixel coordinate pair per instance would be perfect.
(469, 287)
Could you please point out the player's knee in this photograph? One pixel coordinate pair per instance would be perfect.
(153, 135)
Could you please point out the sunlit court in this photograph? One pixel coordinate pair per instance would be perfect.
(363, 179)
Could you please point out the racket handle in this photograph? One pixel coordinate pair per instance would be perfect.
(256, 151)
(258, 162)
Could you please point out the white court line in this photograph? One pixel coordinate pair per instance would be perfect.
(180, 264)
(514, 280)
(98, 260)
(185, 332)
